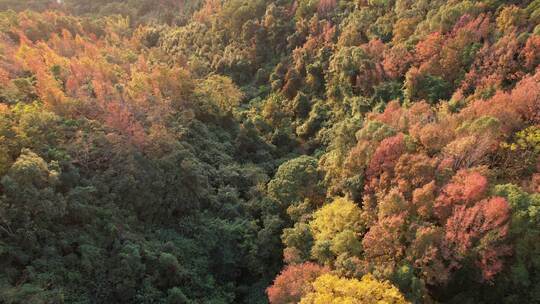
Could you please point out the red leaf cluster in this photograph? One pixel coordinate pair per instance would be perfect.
(293, 283)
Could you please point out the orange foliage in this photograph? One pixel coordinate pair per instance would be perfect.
(326, 6)
(78, 74)
(479, 27)
(414, 171)
(397, 61)
(432, 135)
(426, 255)
(294, 282)
(209, 9)
(40, 59)
(530, 53)
(382, 243)
(514, 108)
(429, 48)
(495, 65)
(484, 225)
(4, 77)
(392, 116)
(121, 120)
(465, 188)
(423, 199)
(386, 155)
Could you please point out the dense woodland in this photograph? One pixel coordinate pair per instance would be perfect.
(269, 151)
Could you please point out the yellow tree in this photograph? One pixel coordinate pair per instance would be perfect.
(330, 289)
(220, 91)
(336, 229)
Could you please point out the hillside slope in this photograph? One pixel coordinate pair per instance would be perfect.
(254, 151)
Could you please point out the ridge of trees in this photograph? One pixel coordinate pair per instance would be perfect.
(269, 151)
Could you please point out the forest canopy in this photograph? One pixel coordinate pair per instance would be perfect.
(269, 151)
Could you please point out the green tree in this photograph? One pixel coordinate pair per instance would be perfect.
(296, 180)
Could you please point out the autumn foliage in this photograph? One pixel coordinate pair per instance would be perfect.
(199, 151)
(294, 282)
